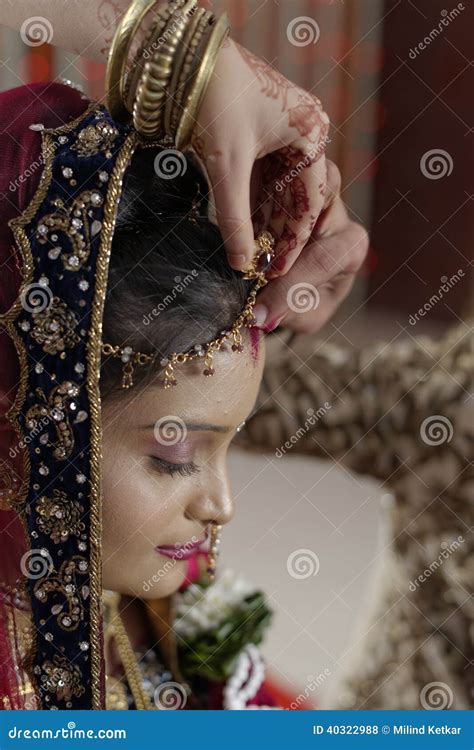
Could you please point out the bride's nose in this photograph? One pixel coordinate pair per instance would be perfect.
(214, 503)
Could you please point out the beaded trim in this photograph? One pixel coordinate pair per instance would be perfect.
(264, 253)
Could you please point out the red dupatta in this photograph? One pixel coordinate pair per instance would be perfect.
(52, 105)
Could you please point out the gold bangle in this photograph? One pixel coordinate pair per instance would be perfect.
(117, 58)
(157, 27)
(151, 91)
(180, 65)
(194, 101)
(188, 72)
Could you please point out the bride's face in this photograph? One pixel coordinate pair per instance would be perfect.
(164, 469)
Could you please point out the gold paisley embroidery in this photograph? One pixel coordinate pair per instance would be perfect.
(59, 516)
(70, 613)
(73, 220)
(62, 678)
(54, 326)
(93, 139)
(55, 407)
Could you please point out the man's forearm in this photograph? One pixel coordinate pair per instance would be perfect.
(85, 27)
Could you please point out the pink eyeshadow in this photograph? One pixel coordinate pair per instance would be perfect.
(179, 453)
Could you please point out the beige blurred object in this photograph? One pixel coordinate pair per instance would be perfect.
(404, 413)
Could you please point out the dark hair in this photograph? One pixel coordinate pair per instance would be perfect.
(169, 285)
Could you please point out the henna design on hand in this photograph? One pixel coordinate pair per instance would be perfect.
(109, 13)
(273, 83)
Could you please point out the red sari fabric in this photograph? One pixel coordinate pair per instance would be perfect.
(51, 104)
(21, 166)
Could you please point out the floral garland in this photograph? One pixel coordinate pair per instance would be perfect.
(216, 623)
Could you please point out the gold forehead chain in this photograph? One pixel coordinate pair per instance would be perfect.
(264, 253)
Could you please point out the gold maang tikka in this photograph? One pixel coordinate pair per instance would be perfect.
(263, 256)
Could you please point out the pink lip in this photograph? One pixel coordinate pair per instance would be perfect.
(181, 551)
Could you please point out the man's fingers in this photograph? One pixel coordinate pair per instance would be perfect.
(296, 213)
(333, 184)
(229, 176)
(326, 261)
(330, 297)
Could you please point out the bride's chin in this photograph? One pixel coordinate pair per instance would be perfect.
(155, 586)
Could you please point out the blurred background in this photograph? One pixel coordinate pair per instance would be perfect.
(396, 78)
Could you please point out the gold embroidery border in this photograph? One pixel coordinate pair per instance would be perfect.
(92, 380)
(92, 384)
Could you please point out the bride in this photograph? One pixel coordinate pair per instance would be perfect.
(125, 503)
(164, 466)
(132, 359)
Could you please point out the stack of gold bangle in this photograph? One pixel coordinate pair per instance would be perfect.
(162, 90)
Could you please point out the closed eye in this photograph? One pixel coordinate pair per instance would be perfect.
(165, 467)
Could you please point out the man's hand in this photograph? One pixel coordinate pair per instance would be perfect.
(306, 296)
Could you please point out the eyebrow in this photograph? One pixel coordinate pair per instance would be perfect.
(196, 426)
(208, 426)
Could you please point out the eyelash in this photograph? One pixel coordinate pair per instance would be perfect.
(185, 470)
